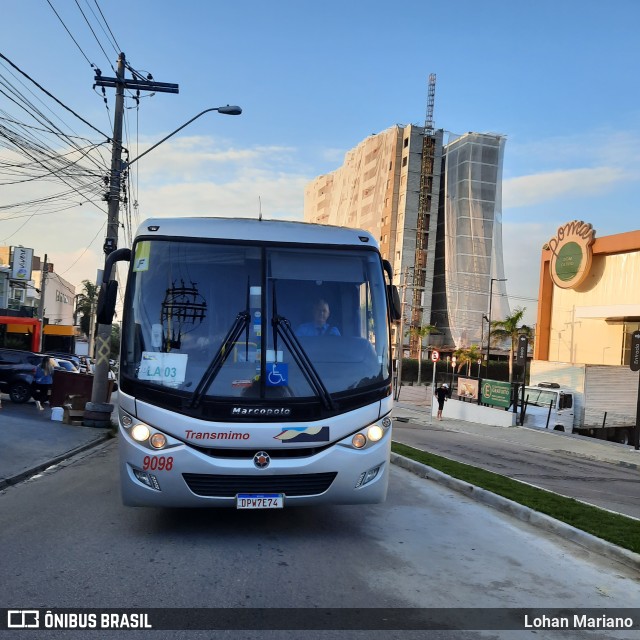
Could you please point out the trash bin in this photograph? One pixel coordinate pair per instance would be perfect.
(66, 383)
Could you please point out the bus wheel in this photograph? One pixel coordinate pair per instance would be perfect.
(558, 427)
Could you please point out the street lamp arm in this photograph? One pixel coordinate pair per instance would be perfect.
(227, 110)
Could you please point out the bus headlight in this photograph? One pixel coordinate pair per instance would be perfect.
(127, 420)
(358, 441)
(374, 433)
(158, 441)
(140, 433)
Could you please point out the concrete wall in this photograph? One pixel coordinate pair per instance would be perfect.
(472, 412)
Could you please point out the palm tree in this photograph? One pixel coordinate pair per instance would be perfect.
(86, 305)
(467, 357)
(421, 333)
(510, 328)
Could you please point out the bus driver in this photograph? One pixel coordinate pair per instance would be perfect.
(320, 325)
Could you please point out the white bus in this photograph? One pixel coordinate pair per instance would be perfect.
(227, 397)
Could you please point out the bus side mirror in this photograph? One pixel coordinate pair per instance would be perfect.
(109, 288)
(395, 307)
(107, 302)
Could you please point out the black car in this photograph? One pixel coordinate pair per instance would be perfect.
(17, 370)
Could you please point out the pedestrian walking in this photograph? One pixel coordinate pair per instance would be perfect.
(43, 380)
(442, 393)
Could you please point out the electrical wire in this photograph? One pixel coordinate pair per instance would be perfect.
(93, 66)
(94, 35)
(64, 106)
(113, 41)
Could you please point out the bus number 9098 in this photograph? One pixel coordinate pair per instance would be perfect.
(157, 463)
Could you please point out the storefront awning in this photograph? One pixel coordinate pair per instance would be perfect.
(58, 330)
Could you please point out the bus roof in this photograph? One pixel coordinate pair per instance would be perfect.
(260, 230)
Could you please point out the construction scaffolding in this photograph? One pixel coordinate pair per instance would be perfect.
(423, 220)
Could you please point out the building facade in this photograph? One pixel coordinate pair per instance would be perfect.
(436, 211)
(469, 261)
(28, 291)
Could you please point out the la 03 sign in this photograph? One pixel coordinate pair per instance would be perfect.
(435, 356)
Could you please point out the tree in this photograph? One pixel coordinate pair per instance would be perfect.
(115, 342)
(86, 305)
(510, 329)
(467, 357)
(421, 333)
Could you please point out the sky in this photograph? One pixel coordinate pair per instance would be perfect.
(558, 78)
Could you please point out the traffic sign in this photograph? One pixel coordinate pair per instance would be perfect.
(635, 352)
(521, 353)
(435, 356)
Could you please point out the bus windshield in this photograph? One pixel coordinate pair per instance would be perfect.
(213, 319)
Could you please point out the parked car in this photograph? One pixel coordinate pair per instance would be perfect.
(17, 370)
(86, 364)
(65, 365)
(58, 355)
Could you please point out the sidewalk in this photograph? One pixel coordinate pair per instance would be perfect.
(30, 441)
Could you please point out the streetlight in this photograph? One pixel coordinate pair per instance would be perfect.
(228, 110)
(489, 318)
(99, 404)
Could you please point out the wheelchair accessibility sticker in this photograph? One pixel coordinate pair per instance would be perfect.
(277, 374)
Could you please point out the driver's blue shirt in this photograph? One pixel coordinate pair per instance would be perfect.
(310, 329)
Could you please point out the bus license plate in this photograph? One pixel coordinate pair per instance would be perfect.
(260, 501)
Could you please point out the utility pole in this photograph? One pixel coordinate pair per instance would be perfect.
(43, 284)
(98, 411)
(400, 347)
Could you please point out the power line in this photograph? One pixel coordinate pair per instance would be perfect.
(64, 106)
(117, 46)
(94, 34)
(93, 66)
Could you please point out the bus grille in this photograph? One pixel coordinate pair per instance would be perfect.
(223, 486)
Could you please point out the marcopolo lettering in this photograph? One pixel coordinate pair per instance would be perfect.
(260, 411)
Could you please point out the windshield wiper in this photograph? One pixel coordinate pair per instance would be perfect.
(282, 326)
(240, 324)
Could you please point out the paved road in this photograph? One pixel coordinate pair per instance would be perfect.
(69, 542)
(606, 485)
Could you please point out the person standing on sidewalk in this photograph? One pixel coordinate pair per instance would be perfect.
(43, 381)
(442, 393)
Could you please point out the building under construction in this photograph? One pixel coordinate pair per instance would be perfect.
(436, 212)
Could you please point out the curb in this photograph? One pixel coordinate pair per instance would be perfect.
(526, 514)
(23, 475)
